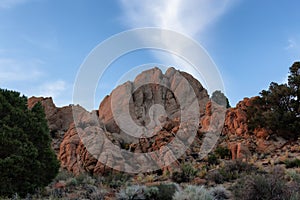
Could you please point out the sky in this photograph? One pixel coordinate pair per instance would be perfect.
(43, 43)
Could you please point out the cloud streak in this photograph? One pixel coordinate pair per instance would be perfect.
(186, 16)
(52, 89)
(292, 44)
(58, 89)
(26, 76)
(189, 17)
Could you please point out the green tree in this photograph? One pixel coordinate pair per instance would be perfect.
(27, 161)
(294, 84)
(277, 109)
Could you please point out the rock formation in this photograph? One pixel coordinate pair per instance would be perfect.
(94, 142)
(59, 119)
(154, 117)
(240, 140)
(151, 95)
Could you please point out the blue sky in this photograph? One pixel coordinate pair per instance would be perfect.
(44, 42)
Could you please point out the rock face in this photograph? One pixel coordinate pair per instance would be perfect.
(240, 140)
(144, 117)
(236, 118)
(213, 120)
(98, 142)
(59, 119)
(151, 95)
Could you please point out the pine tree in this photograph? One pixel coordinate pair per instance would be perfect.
(27, 161)
(278, 108)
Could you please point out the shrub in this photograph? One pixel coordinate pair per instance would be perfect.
(85, 179)
(271, 186)
(93, 193)
(63, 175)
(212, 159)
(81, 177)
(57, 193)
(131, 193)
(222, 152)
(187, 173)
(292, 163)
(151, 193)
(235, 169)
(116, 180)
(192, 192)
(219, 193)
(216, 177)
(149, 178)
(295, 196)
(167, 190)
(231, 171)
(262, 187)
(27, 161)
(71, 182)
(138, 192)
(294, 176)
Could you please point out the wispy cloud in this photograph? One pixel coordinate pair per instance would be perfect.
(190, 17)
(6, 4)
(19, 70)
(52, 89)
(291, 44)
(186, 16)
(58, 89)
(27, 77)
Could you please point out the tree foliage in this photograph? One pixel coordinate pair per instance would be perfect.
(27, 161)
(278, 108)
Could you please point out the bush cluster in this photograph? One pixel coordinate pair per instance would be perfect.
(116, 180)
(163, 191)
(186, 174)
(271, 186)
(292, 163)
(232, 170)
(223, 152)
(193, 192)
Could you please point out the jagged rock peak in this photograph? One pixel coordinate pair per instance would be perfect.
(167, 91)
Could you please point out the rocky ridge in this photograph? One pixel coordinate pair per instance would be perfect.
(100, 130)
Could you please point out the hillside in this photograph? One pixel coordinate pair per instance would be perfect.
(158, 125)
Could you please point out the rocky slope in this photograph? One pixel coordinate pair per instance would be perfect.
(94, 141)
(238, 136)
